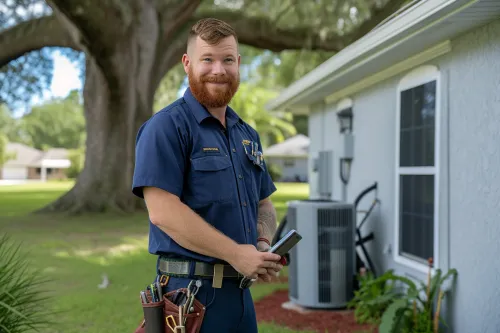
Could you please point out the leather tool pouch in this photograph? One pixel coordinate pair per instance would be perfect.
(155, 315)
(154, 318)
(193, 319)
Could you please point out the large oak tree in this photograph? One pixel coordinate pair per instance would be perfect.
(129, 47)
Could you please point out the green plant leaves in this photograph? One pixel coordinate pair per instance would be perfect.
(395, 302)
(393, 317)
(22, 302)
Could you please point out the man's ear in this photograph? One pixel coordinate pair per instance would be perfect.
(239, 60)
(185, 62)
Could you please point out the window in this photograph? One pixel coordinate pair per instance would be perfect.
(417, 167)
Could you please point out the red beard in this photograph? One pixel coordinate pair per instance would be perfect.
(223, 94)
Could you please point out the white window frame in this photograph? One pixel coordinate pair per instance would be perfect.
(416, 77)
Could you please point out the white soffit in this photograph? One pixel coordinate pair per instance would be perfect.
(360, 60)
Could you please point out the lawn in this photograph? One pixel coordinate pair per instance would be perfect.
(75, 252)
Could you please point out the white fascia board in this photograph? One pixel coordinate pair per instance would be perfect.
(319, 76)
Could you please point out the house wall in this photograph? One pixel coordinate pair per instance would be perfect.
(323, 133)
(469, 180)
(13, 173)
(290, 172)
(473, 72)
(54, 174)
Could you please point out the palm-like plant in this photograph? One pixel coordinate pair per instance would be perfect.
(249, 102)
(22, 302)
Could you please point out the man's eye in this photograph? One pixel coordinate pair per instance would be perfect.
(206, 59)
(229, 60)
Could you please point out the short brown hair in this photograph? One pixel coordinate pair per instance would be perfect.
(211, 30)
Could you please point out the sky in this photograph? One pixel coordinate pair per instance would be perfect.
(65, 78)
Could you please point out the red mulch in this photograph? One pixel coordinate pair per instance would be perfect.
(269, 309)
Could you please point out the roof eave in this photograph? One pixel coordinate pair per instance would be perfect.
(294, 97)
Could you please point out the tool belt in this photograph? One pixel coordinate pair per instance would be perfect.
(181, 268)
(177, 311)
(218, 272)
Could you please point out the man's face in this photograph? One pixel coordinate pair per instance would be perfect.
(213, 71)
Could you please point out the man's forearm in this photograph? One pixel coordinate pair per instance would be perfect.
(189, 230)
(266, 220)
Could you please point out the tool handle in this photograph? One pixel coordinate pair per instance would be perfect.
(246, 282)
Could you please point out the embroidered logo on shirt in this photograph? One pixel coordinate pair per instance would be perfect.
(246, 142)
(207, 149)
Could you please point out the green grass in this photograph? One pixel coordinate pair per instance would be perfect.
(74, 252)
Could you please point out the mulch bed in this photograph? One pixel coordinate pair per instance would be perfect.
(269, 309)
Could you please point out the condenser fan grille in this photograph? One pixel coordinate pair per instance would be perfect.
(292, 273)
(334, 253)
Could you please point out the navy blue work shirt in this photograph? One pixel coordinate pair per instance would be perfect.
(186, 151)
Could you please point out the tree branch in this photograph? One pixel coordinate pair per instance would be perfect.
(377, 16)
(93, 27)
(261, 32)
(173, 18)
(174, 25)
(33, 35)
(96, 23)
(171, 56)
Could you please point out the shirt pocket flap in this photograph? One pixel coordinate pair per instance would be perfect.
(210, 163)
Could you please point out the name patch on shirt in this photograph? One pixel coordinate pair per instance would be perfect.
(210, 149)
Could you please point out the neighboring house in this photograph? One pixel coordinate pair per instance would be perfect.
(291, 156)
(33, 164)
(423, 89)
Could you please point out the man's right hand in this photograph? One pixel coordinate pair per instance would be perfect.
(250, 262)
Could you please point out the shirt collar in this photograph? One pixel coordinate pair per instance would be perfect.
(201, 113)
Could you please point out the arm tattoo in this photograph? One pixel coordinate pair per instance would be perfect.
(266, 221)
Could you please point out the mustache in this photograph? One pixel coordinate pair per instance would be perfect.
(216, 79)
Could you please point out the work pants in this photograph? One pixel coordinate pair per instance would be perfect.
(228, 309)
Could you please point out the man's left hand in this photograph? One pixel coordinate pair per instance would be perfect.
(271, 272)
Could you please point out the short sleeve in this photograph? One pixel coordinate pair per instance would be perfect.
(159, 156)
(267, 186)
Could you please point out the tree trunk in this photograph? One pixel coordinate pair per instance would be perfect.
(114, 111)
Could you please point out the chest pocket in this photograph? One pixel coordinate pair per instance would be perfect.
(254, 174)
(211, 179)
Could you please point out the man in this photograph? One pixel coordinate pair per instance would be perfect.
(202, 174)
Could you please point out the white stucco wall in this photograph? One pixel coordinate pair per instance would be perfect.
(289, 172)
(469, 188)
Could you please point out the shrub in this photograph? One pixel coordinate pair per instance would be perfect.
(407, 308)
(274, 171)
(77, 159)
(373, 297)
(22, 303)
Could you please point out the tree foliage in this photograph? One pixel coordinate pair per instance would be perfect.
(130, 46)
(58, 123)
(316, 26)
(29, 75)
(5, 155)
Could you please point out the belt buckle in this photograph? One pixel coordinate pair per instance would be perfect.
(246, 283)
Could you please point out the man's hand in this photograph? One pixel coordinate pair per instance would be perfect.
(270, 272)
(250, 262)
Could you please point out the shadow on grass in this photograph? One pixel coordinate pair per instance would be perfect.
(75, 252)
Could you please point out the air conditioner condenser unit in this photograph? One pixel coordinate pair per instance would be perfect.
(323, 265)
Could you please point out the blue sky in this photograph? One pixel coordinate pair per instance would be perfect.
(66, 78)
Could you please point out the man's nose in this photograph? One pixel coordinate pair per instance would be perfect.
(218, 68)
